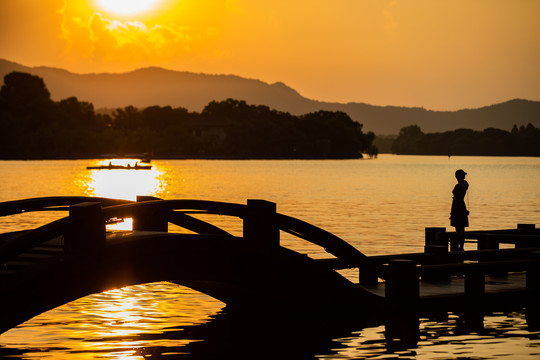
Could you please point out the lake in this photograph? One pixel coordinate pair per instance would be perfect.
(381, 206)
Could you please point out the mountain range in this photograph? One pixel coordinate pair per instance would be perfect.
(157, 86)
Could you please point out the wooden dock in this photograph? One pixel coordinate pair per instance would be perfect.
(75, 256)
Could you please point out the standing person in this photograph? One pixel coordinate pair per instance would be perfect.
(459, 215)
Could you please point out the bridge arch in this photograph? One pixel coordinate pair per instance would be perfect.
(235, 270)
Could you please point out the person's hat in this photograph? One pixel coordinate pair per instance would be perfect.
(460, 172)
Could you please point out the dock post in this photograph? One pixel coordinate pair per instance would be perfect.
(527, 229)
(86, 234)
(487, 241)
(533, 273)
(402, 296)
(531, 239)
(491, 242)
(260, 225)
(402, 284)
(435, 240)
(149, 219)
(475, 287)
(533, 292)
(436, 243)
(475, 283)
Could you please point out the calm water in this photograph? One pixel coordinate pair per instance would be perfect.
(380, 206)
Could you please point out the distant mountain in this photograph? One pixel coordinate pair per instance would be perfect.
(157, 86)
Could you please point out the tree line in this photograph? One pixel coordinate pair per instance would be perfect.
(36, 127)
(520, 141)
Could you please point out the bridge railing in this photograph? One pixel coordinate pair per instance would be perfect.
(52, 203)
(438, 240)
(84, 229)
(68, 230)
(440, 260)
(261, 223)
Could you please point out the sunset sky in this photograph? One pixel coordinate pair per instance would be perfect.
(441, 55)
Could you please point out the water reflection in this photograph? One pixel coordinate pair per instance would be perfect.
(118, 331)
(120, 323)
(503, 335)
(123, 184)
(167, 321)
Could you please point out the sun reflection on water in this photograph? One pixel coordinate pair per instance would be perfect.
(116, 324)
(123, 183)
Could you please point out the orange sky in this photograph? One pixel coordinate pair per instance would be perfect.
(436, 54)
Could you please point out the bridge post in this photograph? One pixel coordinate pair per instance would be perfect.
(149, 220)
(87, 232)
(260, 224)
(368, 274)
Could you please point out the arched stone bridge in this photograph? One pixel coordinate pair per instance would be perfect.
(75, 256)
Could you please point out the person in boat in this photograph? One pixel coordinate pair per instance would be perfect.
(459, 215)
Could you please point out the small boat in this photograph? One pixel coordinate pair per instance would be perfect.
(120, 167)
(143, 157)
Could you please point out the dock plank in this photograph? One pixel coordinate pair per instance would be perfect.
(456, 286)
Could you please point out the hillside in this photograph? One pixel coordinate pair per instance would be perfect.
(157, 86)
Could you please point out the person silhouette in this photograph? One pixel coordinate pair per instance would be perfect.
(459, 215)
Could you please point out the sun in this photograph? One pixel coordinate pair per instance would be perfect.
(126, 7)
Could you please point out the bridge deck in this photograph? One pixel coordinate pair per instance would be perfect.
(456, 286)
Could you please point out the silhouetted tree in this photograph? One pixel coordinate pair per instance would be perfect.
(25, 108)
(490, 142)
(37, 127)
(24, 92)
(73, 112)
(407, 141)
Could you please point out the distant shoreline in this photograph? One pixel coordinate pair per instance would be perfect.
(193, 91)
(365, 157)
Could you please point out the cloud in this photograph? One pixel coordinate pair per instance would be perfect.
(96, 39)
(390, 24)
